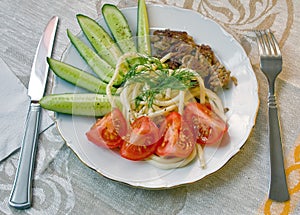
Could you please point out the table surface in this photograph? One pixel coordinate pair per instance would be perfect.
(64, 185)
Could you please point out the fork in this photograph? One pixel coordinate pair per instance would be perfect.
(271, 66)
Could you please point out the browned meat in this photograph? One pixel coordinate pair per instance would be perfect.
(186, 53)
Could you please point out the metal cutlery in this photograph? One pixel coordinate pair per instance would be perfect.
(20, 197)
(271, 66)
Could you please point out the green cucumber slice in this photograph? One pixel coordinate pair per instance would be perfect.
(78, 77)
(100, 67)
(77, 104)
(101, 41)
(143, 40)
(118, 27)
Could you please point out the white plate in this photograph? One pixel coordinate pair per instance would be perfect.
(242, 101)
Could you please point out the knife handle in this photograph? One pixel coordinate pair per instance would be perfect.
(20, 196)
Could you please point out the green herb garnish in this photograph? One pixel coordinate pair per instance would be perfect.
(156, 77)
(157, 81)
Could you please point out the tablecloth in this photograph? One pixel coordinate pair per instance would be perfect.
(64, 185)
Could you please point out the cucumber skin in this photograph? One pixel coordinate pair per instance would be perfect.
(77, 104)
(77, 77)
(99, 39)
(100, 67)
(119, 28)
(143, 32)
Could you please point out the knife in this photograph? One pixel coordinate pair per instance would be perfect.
(20, 196)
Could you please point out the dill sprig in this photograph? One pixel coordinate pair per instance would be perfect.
(157, 81)
(156, 77)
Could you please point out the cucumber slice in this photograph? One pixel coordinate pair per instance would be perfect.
(77, 77)
(118, 27)
(101, 41)
(78, 104)
(143, 44)
(97, 64)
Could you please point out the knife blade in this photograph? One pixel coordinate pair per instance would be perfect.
(21, 194)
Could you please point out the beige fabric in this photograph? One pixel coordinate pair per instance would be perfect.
(64, 185)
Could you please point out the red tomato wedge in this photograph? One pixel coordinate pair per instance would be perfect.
(109, 130)
(178, 139)
(142, 139)
(208, 127)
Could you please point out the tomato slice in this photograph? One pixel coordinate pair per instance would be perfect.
(178, 139)
(108, 131)
(208, 127)
(137, 152)
(142, 140)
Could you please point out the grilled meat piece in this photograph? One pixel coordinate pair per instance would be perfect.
(185, 52)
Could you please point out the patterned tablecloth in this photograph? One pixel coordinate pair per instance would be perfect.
(64, 185)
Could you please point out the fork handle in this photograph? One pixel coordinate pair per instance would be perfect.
(278, 185)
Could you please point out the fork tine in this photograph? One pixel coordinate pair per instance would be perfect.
(261, 47)
(274, 43)
(263, 42)
(266, 42)
(269, 41)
